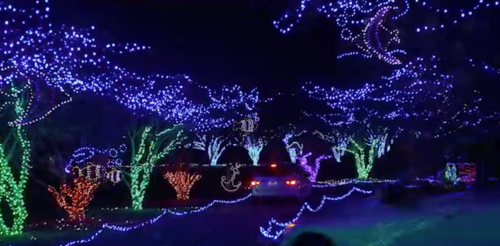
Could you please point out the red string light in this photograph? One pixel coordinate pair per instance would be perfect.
(182, 182)
(467, 172)
(80, 196)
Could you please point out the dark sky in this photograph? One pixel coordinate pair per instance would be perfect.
(216, 42)
(233, 41)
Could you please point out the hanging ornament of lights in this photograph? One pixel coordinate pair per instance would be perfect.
(114, 176)
(91, 171)
(248, 125)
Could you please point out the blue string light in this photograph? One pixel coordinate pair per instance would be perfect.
(82, 155)
(348, 12)
(151, 221)
(253, 145)
(351, 181)
(214, 146)
(418, 90)
(361, 22)
(71, 58)
(483, 65)
(273, 222)
(458, 15)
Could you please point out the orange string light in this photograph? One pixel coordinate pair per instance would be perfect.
(80, 196)
(182, 182)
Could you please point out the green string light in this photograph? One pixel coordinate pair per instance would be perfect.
(152, 148)
(451, 174)
(364, 163)
(378, 143)
(12, 187)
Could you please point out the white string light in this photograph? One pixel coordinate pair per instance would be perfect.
(230, 183)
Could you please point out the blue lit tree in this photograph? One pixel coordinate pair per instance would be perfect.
(419, 96)
(254, 145)
(414, 98)
(339, 140)
(213, 145)
(71, 59)
(368, 119)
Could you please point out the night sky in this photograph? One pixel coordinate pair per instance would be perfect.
(227, 42)
(217, 42)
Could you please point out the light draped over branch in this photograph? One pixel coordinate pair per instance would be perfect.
(365, 151)
(381, 140)
(339, 141)
(153, 146)
(253, 145)
(213, 146)
(293, 148)
(312, 170)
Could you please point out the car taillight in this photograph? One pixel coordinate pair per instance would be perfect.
(254, 183)
(291, 182)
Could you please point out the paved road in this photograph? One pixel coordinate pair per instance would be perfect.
(221, 225)
(238, 224)
(455, 215)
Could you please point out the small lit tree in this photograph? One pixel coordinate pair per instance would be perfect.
(253, 145)
(80, 195)
(366, 150)
(148, 147)
(213, 146)
(182, 181)
(339, 141)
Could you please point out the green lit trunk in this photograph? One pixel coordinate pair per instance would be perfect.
(364, 162)
(12, 191)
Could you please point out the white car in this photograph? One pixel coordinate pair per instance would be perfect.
(286, 180)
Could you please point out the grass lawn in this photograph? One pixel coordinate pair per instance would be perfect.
(50, 236)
